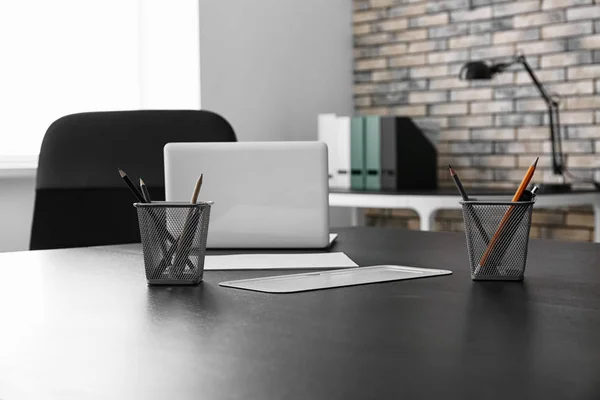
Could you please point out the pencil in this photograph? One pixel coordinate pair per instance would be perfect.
(145, 192)
(525, 181)
(506, 217)
(184, 243)
(197, 190)
(458, 183)
(143, 199)
(503, 245)
(132, 187)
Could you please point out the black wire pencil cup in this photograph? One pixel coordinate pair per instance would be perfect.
(173, 236)
(497, 234)
(174, 241)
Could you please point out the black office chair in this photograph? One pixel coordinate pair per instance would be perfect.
(80, 198)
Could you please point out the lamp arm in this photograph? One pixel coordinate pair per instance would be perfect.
(553, 112)
(558, 166)
(522, 60)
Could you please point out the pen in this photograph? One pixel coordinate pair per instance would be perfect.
(529, 195)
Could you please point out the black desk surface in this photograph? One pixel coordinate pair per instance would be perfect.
(81, 323)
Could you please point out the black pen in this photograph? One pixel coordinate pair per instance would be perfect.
(529, 195)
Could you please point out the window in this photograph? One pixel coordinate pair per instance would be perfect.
(66, 56)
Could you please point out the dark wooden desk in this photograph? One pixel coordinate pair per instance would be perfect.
(82, 324)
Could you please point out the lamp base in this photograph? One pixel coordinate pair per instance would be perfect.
(545, 188)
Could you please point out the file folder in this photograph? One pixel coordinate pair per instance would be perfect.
(373, 152)
(408, 158)
(389, 173)
(342, 169)
(357, 153)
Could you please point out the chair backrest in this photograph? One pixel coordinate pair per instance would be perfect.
(80, 198)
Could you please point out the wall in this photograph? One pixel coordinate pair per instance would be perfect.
(269, 67)
(407, 58)
(168, 73)
(16, 212)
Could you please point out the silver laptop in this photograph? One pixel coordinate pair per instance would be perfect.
(266, 194)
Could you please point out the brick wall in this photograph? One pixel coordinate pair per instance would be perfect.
(407, 56)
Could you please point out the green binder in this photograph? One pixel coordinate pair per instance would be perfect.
(373, 152)
(357, 153)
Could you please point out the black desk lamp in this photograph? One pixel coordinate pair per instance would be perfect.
(479, 70)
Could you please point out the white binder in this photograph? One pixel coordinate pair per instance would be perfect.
(327, 133)
(342, 168)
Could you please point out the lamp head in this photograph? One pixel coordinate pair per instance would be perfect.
(476, 70)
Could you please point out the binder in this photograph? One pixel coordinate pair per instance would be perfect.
(327, 127)
(343, 167)
(408, 158)
(373, 152)
(357, 153)
(389, 173)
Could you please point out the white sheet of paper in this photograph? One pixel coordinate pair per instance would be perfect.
(332, 279)
(278, 261)
(332, 237)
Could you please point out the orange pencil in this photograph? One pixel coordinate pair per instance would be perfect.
(525, 181)
(516, 197)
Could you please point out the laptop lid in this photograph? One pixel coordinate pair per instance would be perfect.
(266, 194)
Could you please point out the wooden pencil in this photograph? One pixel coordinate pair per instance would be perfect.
(145, 191)
(197, 190)
(465, 197)
(132, 187)
(184, 243)
(458, 183)
(506, 217)
(525, 181)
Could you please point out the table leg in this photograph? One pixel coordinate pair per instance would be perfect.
(426, 218)
(358, 217)
(597, 223)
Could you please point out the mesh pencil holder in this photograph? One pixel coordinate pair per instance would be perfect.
(173, 241)
(497, 235)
